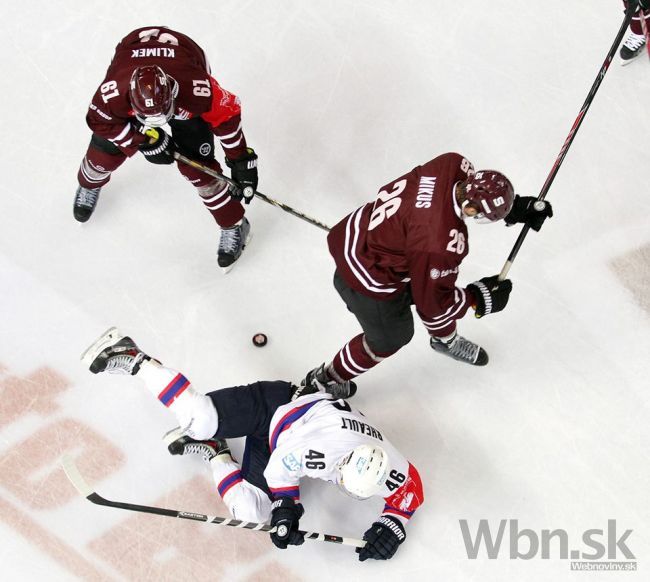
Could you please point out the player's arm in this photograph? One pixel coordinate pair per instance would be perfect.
(386, 534)
(282, 475)
(104, 122)
(224, 116)
(439, 301)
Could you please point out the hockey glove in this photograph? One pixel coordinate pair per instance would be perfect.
(382, 539)
(243, 170)
(159, 148)
(285, 515)
(491, 294)
(528, 210)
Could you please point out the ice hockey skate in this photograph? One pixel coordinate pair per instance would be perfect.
(232, 242)
(115, 353)
(180, 444)
(461, 349)
(318, 380)
(85, 200)
(632, 47)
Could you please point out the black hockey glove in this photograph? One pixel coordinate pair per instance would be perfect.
(491, 294)
(159, 148)
(644, 4)
(528, 210)
(382, 539)
(243, 170)
(285, 515)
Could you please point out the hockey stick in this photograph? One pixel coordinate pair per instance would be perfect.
(80, 484)
(631, 9)
(215, 174)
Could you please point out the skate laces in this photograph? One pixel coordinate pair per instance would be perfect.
(87, 197)
(634, 41)
(123, 364)
(463, 349)
(230, 239)
(203, 449)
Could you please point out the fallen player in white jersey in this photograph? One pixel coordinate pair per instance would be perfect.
(290, 433)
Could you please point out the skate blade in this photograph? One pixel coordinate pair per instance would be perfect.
(226, 270)
(109, 337)
(173, 435)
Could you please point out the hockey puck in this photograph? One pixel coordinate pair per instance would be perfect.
(260, 340)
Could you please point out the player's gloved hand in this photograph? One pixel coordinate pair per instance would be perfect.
(382, 539)
(644, 4)
(243, 170)
(159, 147)
(285, 515)
(528, 210)
(491, 294)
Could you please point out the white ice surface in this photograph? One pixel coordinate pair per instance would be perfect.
(339, 97)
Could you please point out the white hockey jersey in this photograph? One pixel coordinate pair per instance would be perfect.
(311, 435)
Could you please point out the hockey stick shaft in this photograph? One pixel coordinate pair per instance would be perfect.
(632, 6)
(80, 484)
(230, 182)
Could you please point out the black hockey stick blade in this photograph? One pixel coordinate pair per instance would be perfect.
(85, 490)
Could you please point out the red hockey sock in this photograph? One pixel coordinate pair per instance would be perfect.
(97, 166)
(355, 358)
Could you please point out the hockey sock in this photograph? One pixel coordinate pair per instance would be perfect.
(195, 412)
(244, 500)
(97, 166)
(224, 209)
(355, 358)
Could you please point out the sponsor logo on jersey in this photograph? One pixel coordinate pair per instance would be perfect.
(360, 427)
(425, 192)
(153, 52)
(406, 501)
(100, 112)
(205, 149)
(437, 273)
(291, 463)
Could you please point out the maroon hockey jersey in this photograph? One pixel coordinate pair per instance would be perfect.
(110, 115)
(413, 235)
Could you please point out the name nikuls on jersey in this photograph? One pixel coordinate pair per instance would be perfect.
(425, 191)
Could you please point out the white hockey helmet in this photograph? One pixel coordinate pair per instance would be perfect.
(363, 472)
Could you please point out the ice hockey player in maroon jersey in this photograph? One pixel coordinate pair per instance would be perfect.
(634, 44)
(157, 77)
(406, 248)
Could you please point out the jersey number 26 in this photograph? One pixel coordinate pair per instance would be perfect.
(391, 204)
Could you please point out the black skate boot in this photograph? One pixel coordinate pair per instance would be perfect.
(115, 353)
(85, 200)
(179, 444)
(318, 380)
(232, 242)
(632, 47)
(461, 349)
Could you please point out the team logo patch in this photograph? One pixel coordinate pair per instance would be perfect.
(434, 274)
(205, 149)
(291, 463)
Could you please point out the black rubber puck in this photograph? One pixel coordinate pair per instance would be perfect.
(260, 340)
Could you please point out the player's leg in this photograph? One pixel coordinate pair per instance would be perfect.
(114, 352)
(387, 327)
(101, 159)
(194, 139)
(633, 45)
(239, 492)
